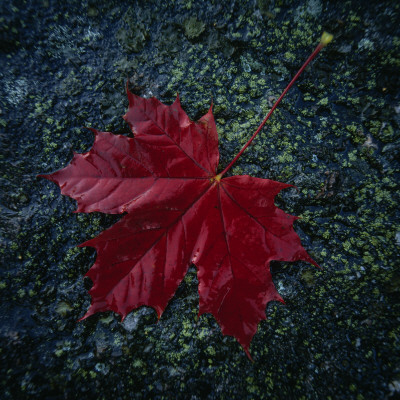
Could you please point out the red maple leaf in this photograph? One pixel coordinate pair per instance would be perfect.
(178, 211)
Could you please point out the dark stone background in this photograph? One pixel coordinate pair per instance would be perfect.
(336, 136)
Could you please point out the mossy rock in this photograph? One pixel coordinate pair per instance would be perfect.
(193, 28)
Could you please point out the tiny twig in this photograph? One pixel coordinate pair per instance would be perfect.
(325, 39)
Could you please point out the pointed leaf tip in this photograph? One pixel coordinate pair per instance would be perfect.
(247, 351)
(177, 100)
(95, 131)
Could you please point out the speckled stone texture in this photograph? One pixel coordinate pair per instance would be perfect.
(336, 137)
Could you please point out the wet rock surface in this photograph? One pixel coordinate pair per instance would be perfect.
(336, 137)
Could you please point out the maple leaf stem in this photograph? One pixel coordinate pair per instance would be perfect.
(325, 39)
